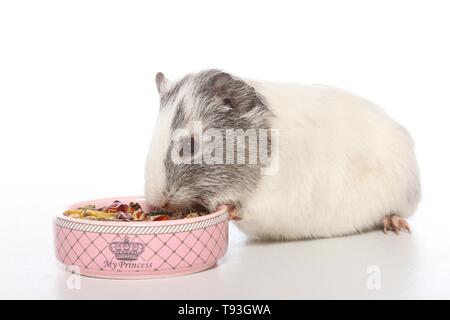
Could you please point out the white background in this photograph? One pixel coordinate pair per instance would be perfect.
(78, 105)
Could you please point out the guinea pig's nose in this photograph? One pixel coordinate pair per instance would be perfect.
(166, 200)
(165, 205)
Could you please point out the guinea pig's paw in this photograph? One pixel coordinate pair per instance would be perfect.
(232, 215)
(395, 223)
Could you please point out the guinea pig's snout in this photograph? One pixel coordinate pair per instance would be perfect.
(165, 199)
(176, 199)
(169, 201)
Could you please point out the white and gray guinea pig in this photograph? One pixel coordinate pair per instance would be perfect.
(342, 164)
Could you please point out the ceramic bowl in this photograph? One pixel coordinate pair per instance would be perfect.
(110, 249)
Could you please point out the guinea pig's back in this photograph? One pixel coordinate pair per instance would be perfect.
(337, 118)
(341, 158)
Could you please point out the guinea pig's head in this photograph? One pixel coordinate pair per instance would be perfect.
(195, 157)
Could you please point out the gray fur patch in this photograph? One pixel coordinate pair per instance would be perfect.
(222, 102)
(179, 117)
(173, 92)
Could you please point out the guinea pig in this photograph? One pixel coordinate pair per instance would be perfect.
(328, 163)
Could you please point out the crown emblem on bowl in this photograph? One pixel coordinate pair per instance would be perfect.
(126, 250)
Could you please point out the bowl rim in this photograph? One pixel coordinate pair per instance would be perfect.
(222, 210)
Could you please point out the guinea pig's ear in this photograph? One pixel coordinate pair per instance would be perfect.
(162, 83)
(232, 92)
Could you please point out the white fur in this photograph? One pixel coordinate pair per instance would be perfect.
(155, 177)
(344, 165)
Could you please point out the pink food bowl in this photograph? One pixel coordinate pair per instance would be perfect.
(151, 249)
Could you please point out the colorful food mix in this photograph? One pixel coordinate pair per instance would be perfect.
(119, 211)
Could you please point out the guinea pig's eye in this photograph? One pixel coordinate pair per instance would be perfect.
(227, 101)
(189, 146)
